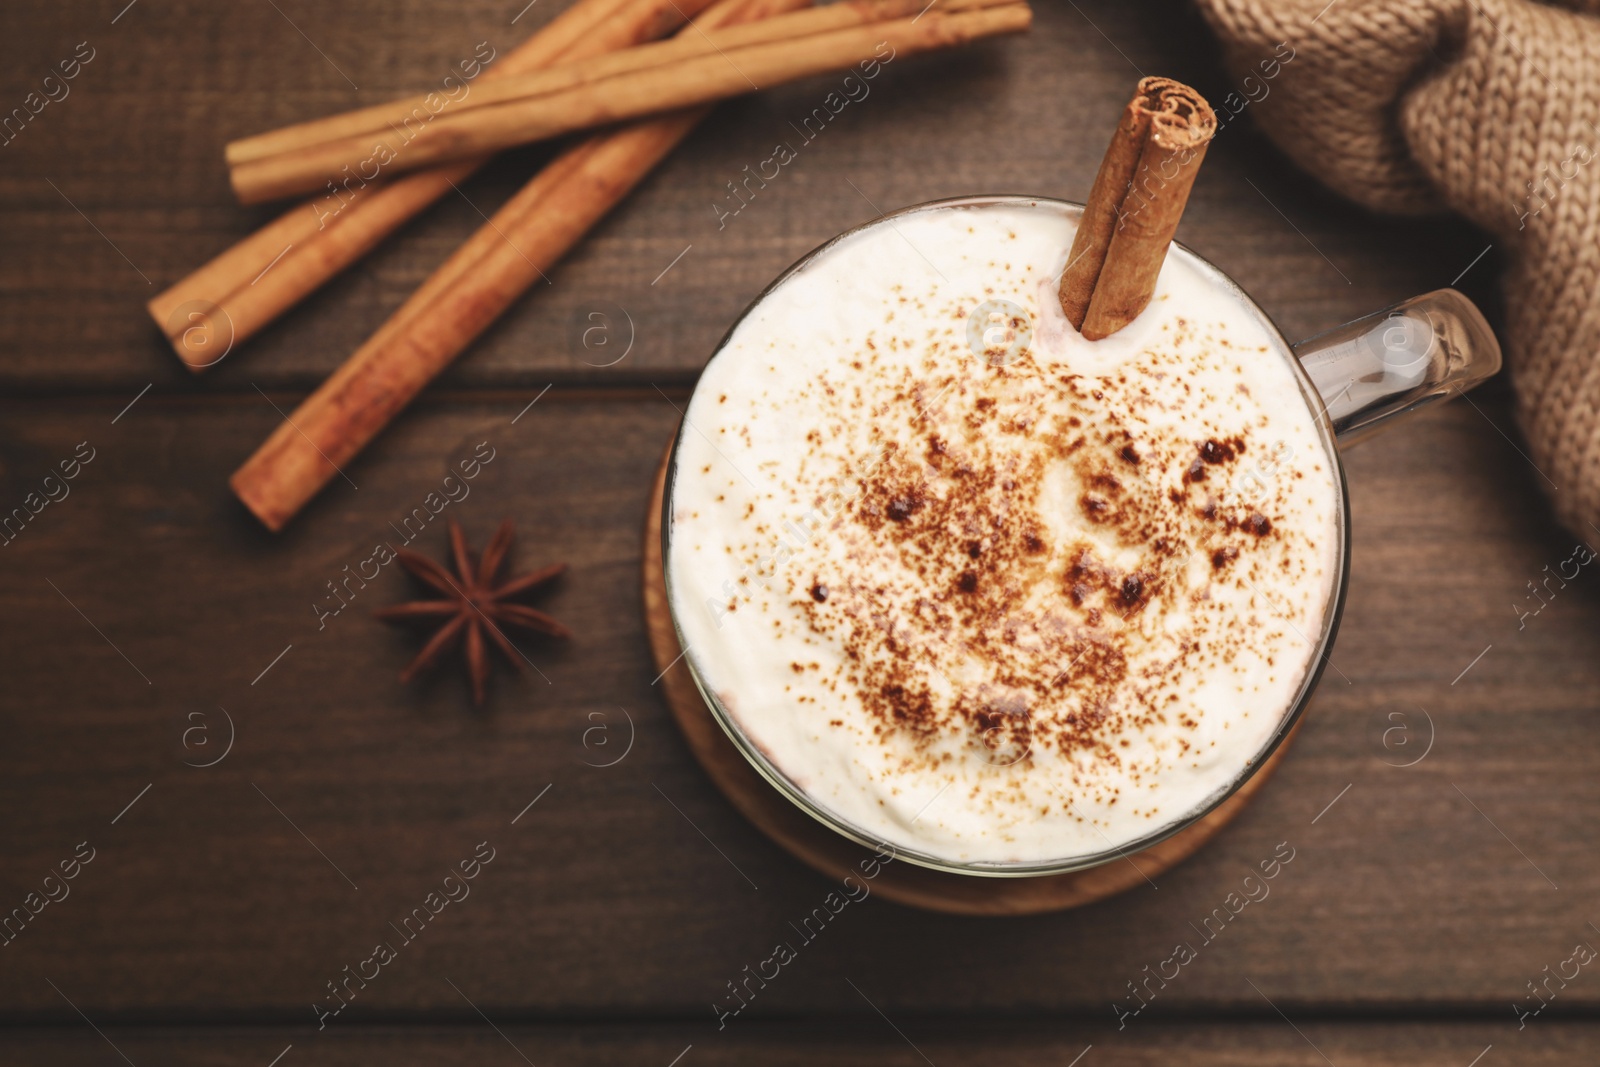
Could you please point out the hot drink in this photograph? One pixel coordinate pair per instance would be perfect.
(967, 583)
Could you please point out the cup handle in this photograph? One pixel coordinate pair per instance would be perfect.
(1372, 370)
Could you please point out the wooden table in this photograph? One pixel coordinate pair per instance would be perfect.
(222, 900)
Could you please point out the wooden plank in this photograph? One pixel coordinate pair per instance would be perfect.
(1445, 885)
(869, 1041)
(136, 148)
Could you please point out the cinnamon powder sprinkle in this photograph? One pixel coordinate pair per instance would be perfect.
(998, 622)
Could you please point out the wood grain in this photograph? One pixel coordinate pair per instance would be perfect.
(217, 906)
(127, 148)
(624, 890)
(868, 1042)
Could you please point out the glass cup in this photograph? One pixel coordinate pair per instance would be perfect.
(1355, 379)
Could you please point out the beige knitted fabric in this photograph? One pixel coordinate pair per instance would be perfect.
(1487, 107)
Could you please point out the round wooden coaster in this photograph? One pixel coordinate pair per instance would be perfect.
(837, 856)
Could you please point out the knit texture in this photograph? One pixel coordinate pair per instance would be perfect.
(1484, 107)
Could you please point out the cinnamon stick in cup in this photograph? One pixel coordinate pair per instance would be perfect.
(1138, 196)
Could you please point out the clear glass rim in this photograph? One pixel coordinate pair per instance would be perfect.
(1332, 611)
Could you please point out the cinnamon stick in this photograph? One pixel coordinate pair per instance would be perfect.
(1137, 199)
(560, 101)
(386, 119)
(235, 295)
(467, 293)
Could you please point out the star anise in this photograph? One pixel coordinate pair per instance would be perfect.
(476, 606)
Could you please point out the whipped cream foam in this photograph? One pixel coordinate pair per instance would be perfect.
(1000, 596)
